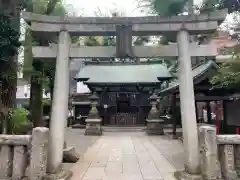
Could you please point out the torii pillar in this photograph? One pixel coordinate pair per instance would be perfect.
(59, 112)
(187, 102)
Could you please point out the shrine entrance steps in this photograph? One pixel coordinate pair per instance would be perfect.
(130, 156)
(117, 128)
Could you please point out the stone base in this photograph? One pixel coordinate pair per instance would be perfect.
(155, 127)
(70, 155)
(62, 175)
(185, 176)
(93, 127)
(78, 126)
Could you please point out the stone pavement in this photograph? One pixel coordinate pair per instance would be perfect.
(130, 156)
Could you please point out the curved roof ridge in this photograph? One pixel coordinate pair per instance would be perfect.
(198, 71)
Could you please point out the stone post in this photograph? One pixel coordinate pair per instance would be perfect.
(39, 153)
(154, 123)
(210, 165)
(59, 113)
(227, 159)
(93, 122)
(187, 102)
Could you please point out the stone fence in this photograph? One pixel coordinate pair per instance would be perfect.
(24, 156)
(220, 154)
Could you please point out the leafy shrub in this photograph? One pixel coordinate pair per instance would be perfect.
(19, 121)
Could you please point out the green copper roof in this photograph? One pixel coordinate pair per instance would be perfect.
(120, 74)
(197, 73)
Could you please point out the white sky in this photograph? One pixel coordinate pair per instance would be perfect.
(127, 7)
(89, 7)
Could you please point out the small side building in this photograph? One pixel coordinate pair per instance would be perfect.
(218, 103)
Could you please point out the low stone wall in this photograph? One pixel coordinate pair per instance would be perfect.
(220, 154)
(24, 156)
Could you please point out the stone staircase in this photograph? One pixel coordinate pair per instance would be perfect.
(124, 128)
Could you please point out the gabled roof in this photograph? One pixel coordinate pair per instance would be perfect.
(197, 73)
(123, 73)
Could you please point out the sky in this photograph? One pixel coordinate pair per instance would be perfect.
(89, 7)
(127, 7)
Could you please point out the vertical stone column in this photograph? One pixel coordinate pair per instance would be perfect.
(187, 102)
(39, 150)
(59, 112)
(210, 165)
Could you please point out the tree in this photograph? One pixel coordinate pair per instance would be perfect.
(176, 7)
(162, 7)
(9, 39)
(228, 75)
(9, 44)
(37, 71)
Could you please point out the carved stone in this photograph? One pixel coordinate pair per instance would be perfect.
(70, 155)
(155, 127)
(93, 127)
(93, 122)
(62, 175)
(39, 152)
(15, 139)
(210, 165)
(154, 124)
(19, 162)
(237, 157)
(6, 161)
(228, 139)
(227, 162)
(185, 176)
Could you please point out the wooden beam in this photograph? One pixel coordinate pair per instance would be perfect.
(207, 98)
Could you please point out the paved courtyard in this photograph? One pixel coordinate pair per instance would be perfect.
(128, 156)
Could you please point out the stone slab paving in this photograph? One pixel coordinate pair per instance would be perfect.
(75, 138)
(130, 156)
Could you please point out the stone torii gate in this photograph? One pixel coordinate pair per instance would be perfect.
(65, 27)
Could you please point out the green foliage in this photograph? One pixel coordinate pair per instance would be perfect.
(19, 121)
(9, 38)
(231, 5)
(175, 7)
(228, 75)
(46, 102)
(48, 7)
(91, 41)
(163, 7)
(140, 40)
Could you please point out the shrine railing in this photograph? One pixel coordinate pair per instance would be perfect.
(219, 154)
(24, 156)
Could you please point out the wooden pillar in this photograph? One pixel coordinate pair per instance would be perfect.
(196, 107)
(174, 117)
(209, 115)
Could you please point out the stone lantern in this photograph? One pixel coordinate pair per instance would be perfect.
(154, 123)
(93, 122)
